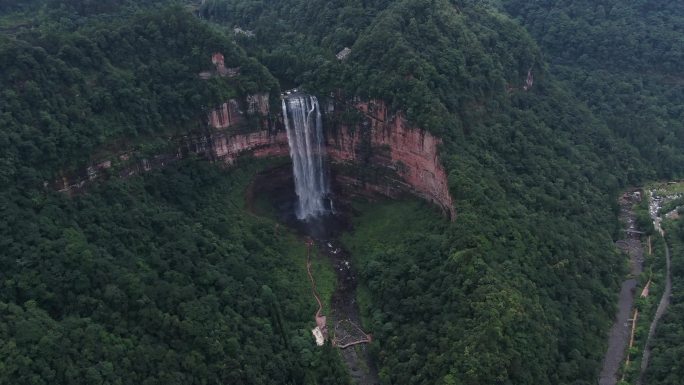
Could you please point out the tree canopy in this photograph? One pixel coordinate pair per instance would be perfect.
(166, 278)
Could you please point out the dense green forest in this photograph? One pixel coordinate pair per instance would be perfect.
(161, 280)
(668, 345)
(624, 60)
(535, 175)
(165, 278)
(155, 280)
(72, 85)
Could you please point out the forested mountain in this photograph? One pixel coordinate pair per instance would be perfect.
(73, 85)
(624, 59)
(545, 109)
(668, 352)
(155, 280)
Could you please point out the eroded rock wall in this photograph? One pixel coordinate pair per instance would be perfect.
(404, 158)
(218, 146)
(385, 140)
(234, 113)
(226, 115)
(265, 143)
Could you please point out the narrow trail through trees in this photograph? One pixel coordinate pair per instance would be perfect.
(313, 281)
(348, 336)
(321, 321)
(347, 332)
(662, 307)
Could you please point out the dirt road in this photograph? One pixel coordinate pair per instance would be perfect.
(662, 307)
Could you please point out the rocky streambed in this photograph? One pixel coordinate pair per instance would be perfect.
(272, 193)
(619, 335)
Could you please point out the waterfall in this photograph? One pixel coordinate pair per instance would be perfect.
(304, 128)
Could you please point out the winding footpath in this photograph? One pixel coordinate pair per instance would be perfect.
(662, 306)
(321, 321)
(619, 334)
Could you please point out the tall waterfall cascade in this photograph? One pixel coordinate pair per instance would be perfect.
(304, 128)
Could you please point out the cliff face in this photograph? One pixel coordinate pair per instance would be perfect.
(219, 146)
(381, 140)
(260, 144)
(389, 155)
(235, 112)
(226, 115)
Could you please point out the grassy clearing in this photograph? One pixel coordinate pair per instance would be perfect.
(667, 188)
(323, 273)
(386, 223)
(364, 299)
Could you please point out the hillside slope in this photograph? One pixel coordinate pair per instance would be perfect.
(537, 141)
(520, 288)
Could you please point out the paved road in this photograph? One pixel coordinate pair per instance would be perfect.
(662, 306)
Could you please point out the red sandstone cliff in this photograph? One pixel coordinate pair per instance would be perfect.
(220, 146)
(410, 152)
(261, 144)
(233, 114)
(226, 115)
(380, 141)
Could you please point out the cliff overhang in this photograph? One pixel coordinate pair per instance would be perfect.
(374, 153)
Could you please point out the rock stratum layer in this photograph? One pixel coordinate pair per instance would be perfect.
(388, 141)
(406, 157)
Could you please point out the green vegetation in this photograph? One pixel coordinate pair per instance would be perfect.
(670, 188)
(668, 345)
(155, 280)
(161, 279)
(623, 59)
(644, 222)
(72, 89)
(671, 205)
(654, 271)
(520, 288)
(323, 273)
(432, 300)
(167, 279)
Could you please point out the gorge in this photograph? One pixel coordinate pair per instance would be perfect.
(403, 158)
(437, 196)
(322, 226)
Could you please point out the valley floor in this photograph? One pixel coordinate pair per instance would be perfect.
(620, 331)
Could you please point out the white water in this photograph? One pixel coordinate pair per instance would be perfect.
(305, 136)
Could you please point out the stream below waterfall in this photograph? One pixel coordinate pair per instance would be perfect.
(620, 332)
(275, 189)
(299, 196)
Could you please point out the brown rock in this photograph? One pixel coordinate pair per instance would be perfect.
(411, 152)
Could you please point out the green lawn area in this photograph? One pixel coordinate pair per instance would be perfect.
(385, 223)
(323, 273)
(669, 188)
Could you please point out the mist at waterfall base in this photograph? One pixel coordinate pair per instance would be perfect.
(299, 195)
(304, 126)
